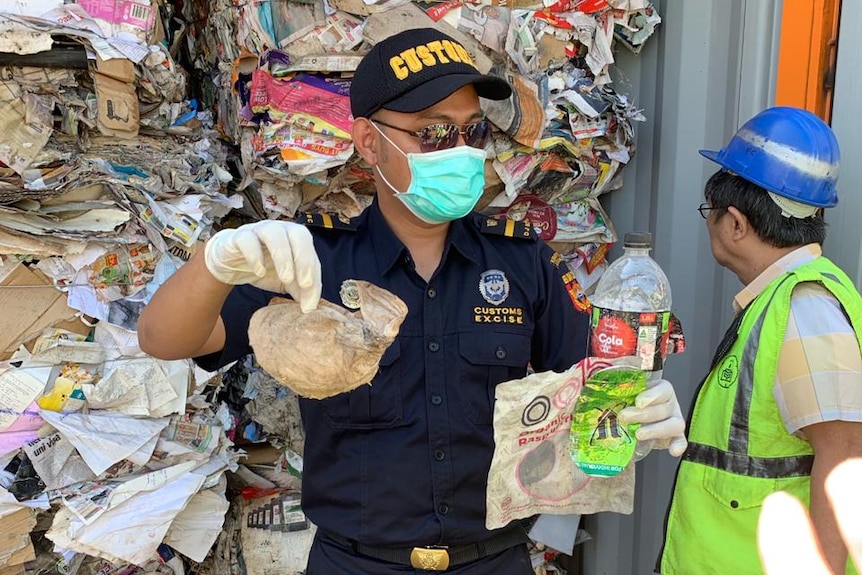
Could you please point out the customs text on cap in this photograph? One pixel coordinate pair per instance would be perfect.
(413, 70)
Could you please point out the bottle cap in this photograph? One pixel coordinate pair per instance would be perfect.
(638, 240)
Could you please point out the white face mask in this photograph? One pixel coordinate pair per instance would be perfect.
(444, 185)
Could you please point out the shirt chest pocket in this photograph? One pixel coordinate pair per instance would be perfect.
(374, 406)
(488, 359)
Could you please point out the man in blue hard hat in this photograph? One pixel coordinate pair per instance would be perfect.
(782, 403)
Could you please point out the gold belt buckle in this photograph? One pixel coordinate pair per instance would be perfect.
(430, 558)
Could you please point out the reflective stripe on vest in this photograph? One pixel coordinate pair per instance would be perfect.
(764, 467)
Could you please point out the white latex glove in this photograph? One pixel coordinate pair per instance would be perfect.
(272, 255)
(658, 412)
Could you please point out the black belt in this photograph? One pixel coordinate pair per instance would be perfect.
(437, 558)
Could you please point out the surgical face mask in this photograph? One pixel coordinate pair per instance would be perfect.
(444, 185)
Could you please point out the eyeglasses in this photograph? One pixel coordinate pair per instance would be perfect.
(704, 209)
(444, 136)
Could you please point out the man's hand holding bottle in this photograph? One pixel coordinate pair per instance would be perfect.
(657, 410)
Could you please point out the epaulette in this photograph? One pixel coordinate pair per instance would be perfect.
(507, 227)
(328, 221)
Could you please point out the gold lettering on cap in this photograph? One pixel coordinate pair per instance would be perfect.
(397, 65)
(437, 48)
(412, 59)
(451, 51)
(425, 55)
(464, 55)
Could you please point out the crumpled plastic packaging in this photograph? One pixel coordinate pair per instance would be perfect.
(329, 350)
(532, 471)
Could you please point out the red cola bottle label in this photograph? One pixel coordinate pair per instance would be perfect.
(629, 333)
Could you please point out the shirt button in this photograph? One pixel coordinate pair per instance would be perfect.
(436, 399)
(432, 293)
(433, 346)
(439, 455)
(443, 509)
(501, 353)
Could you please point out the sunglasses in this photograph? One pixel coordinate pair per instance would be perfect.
(444, 136)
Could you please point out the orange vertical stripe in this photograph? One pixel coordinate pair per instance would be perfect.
(795, 52)
(809, 30)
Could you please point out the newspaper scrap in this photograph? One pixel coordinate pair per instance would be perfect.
(105, 438)
(25, 121)
(340, 33)
(57, 462)
(639, 25)
(522, 40)
(128, 532)
(488, 24)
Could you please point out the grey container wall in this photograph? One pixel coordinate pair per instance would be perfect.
(710, 67)
(844, 239)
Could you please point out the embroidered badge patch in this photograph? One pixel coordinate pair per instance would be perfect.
(728, 373)
(494, 286)
(576, 292)
(556, 259)
(349, 294)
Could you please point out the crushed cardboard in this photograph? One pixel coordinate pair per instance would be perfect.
(15, 545)
(37, 304)
(118, 68)
(119, 113)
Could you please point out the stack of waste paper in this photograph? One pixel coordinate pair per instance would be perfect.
(130, 131)
(279, 73)
(123, 449)
(110, 461)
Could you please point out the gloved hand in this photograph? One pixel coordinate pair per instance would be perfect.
(272, 255)
(658, 412)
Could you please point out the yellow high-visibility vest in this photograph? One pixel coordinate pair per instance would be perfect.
(739, 450)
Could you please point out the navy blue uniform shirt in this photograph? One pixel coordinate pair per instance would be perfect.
(405, 461)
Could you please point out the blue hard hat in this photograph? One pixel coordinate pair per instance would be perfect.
(787, 151)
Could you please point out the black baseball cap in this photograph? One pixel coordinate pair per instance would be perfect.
(414, 70)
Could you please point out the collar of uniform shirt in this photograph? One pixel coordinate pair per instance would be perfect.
(461, 239)
(388, 249)
(789, 262)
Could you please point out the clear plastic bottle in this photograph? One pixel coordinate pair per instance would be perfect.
(631, 311)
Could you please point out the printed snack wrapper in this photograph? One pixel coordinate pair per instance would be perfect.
(601, 445)
(126, 268)
(532, 470)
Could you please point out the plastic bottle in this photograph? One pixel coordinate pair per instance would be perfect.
(631, 289)
(631, 312)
